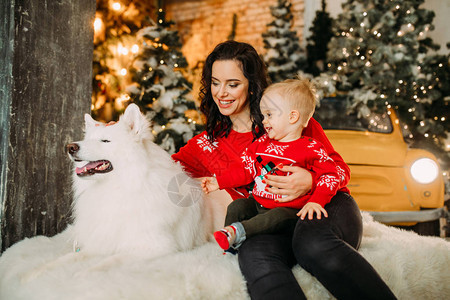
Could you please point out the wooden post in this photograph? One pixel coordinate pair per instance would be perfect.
(45, 89)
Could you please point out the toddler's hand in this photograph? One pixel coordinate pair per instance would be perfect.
(310, 208)
(209, 184)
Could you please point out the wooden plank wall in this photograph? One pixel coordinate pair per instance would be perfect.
(45, 89)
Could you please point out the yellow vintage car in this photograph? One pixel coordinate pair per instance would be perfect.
(396, 184)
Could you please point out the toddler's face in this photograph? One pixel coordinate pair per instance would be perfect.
(276, 117)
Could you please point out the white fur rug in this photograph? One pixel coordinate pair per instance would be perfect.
(414, 267)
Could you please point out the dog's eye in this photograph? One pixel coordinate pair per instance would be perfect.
(106, 141)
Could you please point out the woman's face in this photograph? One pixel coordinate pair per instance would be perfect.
(229, 89)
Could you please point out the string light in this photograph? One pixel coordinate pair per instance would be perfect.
(122, 50)
(98, 24)
(123, 72)
(116, 6)
(135, 49)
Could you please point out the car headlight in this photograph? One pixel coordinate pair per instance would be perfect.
(424, 170)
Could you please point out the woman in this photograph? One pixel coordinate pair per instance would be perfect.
(233, 80)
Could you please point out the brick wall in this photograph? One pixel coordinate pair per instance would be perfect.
(202, 24)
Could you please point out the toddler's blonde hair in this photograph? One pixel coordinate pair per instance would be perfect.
(300, 95)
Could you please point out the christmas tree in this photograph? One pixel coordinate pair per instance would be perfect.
(116, 23)
(159, 86)
(380, 54)
(284, 55)
(317, 47)
(139, 60)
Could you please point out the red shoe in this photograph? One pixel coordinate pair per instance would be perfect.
(223, 238)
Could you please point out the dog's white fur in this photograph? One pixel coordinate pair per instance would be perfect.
(129, 209)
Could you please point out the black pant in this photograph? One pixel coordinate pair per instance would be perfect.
(325, 248)
(257, 219)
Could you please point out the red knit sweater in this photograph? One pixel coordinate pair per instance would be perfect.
(201, 158)
(262, 157)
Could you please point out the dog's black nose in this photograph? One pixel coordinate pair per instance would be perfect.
(72, 148)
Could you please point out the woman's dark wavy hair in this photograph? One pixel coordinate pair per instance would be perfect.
(218, 125)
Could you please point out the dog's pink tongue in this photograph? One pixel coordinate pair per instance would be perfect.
(87, 167)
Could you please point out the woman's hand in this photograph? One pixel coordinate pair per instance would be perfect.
(298, 183)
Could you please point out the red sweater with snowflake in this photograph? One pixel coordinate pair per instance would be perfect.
(265, 154)
(200, 158)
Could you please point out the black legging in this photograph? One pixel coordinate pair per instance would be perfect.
(325, 248)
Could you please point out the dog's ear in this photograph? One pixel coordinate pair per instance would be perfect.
(134, 119)
(88, 121)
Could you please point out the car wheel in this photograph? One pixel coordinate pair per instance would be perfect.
(428, 228)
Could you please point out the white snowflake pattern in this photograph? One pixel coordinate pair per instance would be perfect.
(262, 138)
(341, 173)
(312, 144)
(331, 182)
(277, 149)
(205, 144)
(249, 164)
(323, 156)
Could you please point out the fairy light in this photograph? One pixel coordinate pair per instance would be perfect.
(134, 49)
(98, 24)
(122, 50)
(116, 6)
(123, 72)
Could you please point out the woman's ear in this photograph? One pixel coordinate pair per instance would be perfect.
(294, 116)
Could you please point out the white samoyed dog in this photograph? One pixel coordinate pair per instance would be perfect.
(129, 195)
